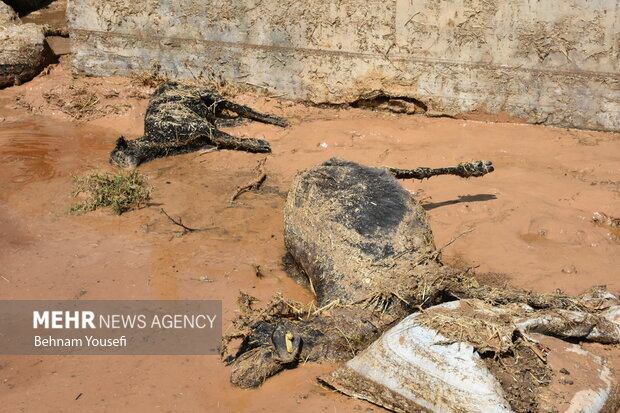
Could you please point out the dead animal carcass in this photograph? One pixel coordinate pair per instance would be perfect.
(367, 252)
(182, 118)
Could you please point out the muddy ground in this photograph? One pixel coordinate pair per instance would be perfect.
(531, 221)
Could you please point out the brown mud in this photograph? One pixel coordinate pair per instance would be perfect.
(531, 221)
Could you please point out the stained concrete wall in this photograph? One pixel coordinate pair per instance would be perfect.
(553, 62)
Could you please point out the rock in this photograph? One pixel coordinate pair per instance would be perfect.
(7, 15)
(60, 45)
(23, 49)
(23, 53)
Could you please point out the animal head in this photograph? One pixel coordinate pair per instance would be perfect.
(124, 154)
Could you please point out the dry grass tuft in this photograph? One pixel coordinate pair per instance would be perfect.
(121, 191)
(149, 78)
(154, 77)
(80, 102)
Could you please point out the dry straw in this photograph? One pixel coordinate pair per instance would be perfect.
(121, 191)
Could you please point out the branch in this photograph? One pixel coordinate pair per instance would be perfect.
(255, 184)
(186, 229)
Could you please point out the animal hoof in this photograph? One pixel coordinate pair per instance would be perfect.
(280, 122)
(263, 147)
(485, 167)
(476, 169)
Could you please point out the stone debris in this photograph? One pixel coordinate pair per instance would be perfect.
(23, 50)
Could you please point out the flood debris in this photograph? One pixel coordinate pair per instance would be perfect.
(152, 78)
(258, 271)
(380, 100)
(368, 253)
(80, 102)
(475, 356)
(121, 191)
(23, 50)
(183, 118)
(255, 184)
(252, 186)
(179, 222)
(612, 224)
(601, 218)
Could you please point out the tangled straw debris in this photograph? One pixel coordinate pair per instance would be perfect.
(122, 191)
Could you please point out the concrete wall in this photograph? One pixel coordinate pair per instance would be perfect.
(553, 62)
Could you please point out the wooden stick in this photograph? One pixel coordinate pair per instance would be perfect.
(255, 184)
(186, 229)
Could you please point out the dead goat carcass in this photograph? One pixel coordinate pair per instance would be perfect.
(369, 256)
(183, 118)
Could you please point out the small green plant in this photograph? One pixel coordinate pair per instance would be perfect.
(122, 191)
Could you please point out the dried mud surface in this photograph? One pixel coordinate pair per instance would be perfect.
(531, 220)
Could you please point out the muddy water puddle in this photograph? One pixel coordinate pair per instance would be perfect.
(42, 149)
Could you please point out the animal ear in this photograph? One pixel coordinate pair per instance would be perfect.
(121, 142)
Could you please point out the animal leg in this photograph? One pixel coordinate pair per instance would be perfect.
(231, 122)
(244, 111)
(217, 103)
(464, 170)
(276, 344)
(225, 141)
(250, 113)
